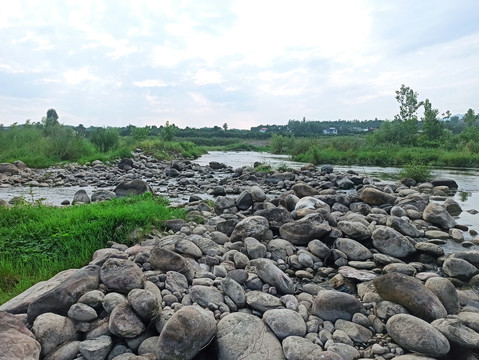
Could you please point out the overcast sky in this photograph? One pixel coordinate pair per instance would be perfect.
(208, 62)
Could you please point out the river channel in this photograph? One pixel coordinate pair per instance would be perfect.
(467, 179)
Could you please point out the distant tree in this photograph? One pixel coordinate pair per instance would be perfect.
(140, 134)
(168, 131)
(52, 114)
(104, 139)
(50, 122)
(431, 126)
(470, 118)
(408, 104)
(225, 126)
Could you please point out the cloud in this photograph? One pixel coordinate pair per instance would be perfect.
(242, 62)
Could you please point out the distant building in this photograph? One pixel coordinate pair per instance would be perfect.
(330, 131)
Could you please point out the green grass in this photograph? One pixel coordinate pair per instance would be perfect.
(36, 242)
(416, 171)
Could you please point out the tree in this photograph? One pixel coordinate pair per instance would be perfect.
(168, 131)
(52, 114)
(225, 126)
(431, 126)
(50, 122)
(470, 118)
(408, 104)
(105, 139)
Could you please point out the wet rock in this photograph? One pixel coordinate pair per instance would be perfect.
(406, 330)
(450, 183)
(410, 293)
(284, 323)
(188, 331)
(244, 336)
(452, 207)
(121, 275)
(332, 305)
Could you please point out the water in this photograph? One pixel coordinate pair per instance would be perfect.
(467, 194)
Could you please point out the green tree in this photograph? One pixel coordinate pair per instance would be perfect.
(168, 131)
(225, 126)
(470, 118)
(50, 122)
(140, 134)
(105, 139)
(431, 126)
(408, 104)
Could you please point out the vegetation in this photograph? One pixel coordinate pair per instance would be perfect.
(38, 241)
(416, 171)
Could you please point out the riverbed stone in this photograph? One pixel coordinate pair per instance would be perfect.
(284, 323)
(302, 231)
(271, 274)
(457, 333)
(436, 214)
(404, 225)
(81, 197)
(234, 290)
(276, 216)
(124, 322)
(189, 330)
(261, 301)
(332, 305)
(144, 303)
(244, 336)
(300, 348)
(96, 349)
(82, 312)
(459, 268)
(353, 249)
(133, 187)
(410, 293)
(391, 242)
(446, 293)
(406, 330)
(252, 226)
(52, 330)
(121, 275)
(16, 341)
(354, 230)
(373, 196)
(166, 260)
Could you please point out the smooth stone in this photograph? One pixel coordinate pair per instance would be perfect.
(459, 268)
(244, 336)
(391, 242)
(300, 348)
(96, 349)
(284, 323)
(446, 293)
(261, 301)
(407, 329)
(436, 214)
(188, 331)
(205, 295)
(353, 249)
(271, 274)
(121, 275)
(52, 330)
(356, 332)
(332, 305)
(410, 293)
(252, 226)
(124, 322)
(301, 232)
(457, 333)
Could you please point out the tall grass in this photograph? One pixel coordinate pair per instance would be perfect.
(37, 242)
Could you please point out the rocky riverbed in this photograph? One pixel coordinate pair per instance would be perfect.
(307, 264)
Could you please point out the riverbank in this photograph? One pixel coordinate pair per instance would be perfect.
(281, 264)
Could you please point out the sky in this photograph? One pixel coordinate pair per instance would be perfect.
(203, 63)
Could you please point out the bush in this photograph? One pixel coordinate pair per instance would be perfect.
(416, 171)
(105, 139)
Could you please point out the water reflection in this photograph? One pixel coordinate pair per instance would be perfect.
(464, 195)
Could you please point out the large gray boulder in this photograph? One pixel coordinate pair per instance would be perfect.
(16, 341)
(417, 335)
(436, 214)
(132, 188)
(8, 168)
(284, 323)
(410, 293)
(332, 305)
(446, 293)
(392, 243)
(59, 299)
(52, 330)
(124, 322)
(188, 331)
(121, 275)
(353, 249)
(244, 336)
(373, 196)
(302, 231)
(300, 348)
(252, 226)
(166, 260)
(457, 333)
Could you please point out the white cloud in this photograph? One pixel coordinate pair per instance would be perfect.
(150, 83)
(206, 77)
(78, 76)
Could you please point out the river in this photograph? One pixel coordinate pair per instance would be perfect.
(467, 194)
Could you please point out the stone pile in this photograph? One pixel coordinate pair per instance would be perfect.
(302, 265)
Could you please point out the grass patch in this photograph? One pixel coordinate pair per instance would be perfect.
(416, 171)
(36, 242)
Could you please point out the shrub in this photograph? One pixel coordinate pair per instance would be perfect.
(416, 171)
